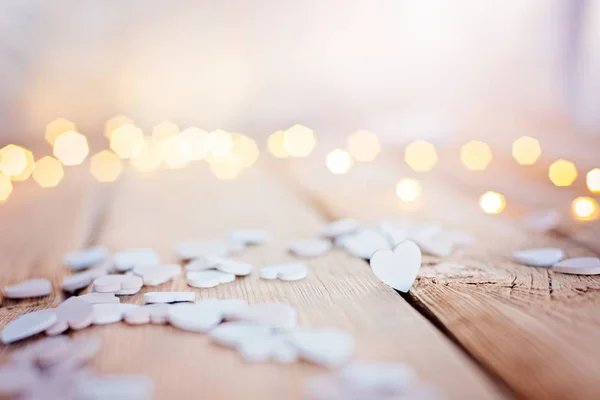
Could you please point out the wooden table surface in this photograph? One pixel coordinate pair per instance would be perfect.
(482, 327)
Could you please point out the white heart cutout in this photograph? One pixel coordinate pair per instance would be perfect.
(397, 268)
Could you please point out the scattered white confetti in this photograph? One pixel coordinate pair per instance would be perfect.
(194, 317)
(338, 228)
(542, 257)
(110, 313)
(159, 312)
(578, 266)
(249, 237)
(439, 244)
(125, 260)
(28, 288)
(72, 313)
(99, 298)
(154, 275)
(117, 283)
(169, 297)
(238, 268)
(327, 347)
(208, 278)
(86, 258)
(202, 264)
(374, 376)
(397, 268)
(365, 242)
(286, 272)
(231, 334)
(204, 248)
(137, 316)
(27, 325)
(310, 248)
(280, 315)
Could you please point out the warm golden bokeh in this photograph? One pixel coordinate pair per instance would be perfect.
(585, 208)
(225, 171)
(106, 166)
(339, 161)
(220, 143)
(56, 128)
(526, 150)
(592, 180)
(275, 145)
(48, 172)
(476, 155)
(113, 123)
(165, 130)
(175, 152)
(421, 156)
(196, 141)
(245, 149)
(492, 202)
(127, 141)
(299, 141)
(150, 158)
(71, 148)
(363, 146)
(6, 187)
(562, 173)
(16, 162)
(408, 190)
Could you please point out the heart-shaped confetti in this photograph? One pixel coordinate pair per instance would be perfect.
(159, 312)
(203, 248)
(439, 245)
(398, 268)
(328, 347)
(28, 325)
(309, 248)
(125, 260)
(542, 257)
(86, 258)
(80, 280)
(72, 313)
(365, 242)
(231, 334)
(249, 237)
(117, 283)
(28, 288)
(110, 313)
(169, 297)
(578, 266)
(99, 298)
(208, 279)
(154, 275)
(137, 316)
(238, 268)
(194, 317)
(280, 315)
(286, 272)
(338, 228)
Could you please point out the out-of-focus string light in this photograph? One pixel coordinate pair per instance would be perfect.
(165, 130)
(592, 180)
(562, 173)
(363, 146)
(585, 208)
(196, 141)
(150, 158)
(220, 143)
(127, 141)
(113, 123)
(492, 202)
(6, 187)
(421, 156)
(225, 171)
(105, 166)
(275, 145)
(16, 162)
(245, 149)
(339, 161)
(299, 141)
(175, 152)
(48, 172)
(476, 155)
(56, 128)
(526, 150)
(71, 148)
(408, 190)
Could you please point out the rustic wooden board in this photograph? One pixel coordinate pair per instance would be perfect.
(340, 291)
(533, 329)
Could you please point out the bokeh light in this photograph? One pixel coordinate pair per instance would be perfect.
(408, 190)
(6, 187)
(56, 128)
(113, 123)
(299, 141)
(220, 143)
(48, 172)
(585, 208)
(175, 152)
(421, 156)
(165, 130)
(16, 162)
(593, 180)
(275, 145)
(562, 173)
(225, 171)
(105, 166)
(476, 155)
(363, 146)
(71, 148)
(196, 141)
(127, 141)
(339, 161)
(492, 202)
(150, 158)
(526, 150)
(244, 149)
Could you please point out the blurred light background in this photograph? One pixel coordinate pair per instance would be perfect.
(404, 70)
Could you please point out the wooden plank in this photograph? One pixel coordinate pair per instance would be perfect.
(340, 291)
(537, 331)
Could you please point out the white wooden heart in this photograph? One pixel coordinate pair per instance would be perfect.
(397, 268)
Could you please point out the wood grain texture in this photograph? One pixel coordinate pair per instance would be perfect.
(536, 330)
(340, 291)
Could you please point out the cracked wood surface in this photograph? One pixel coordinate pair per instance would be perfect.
(533, 329)
(40, 226)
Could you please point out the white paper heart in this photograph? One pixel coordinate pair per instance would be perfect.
(328, 347)
(364, 243)
(542, 257)
(578, 266)
(286, 272)
(397, 268)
